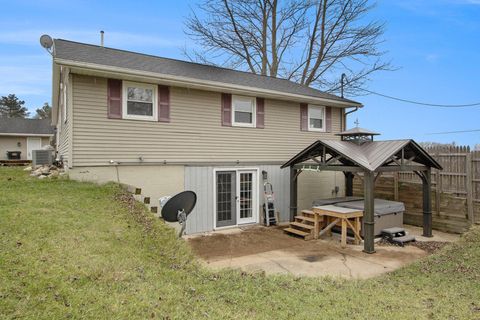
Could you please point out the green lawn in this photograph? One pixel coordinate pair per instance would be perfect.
(77, 250)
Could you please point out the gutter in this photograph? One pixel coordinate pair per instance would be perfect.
(345, 116)
(201, 84)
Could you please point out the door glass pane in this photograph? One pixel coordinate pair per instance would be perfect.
(246, 194)
(224, 196)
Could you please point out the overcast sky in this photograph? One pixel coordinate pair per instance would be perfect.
(435, 44)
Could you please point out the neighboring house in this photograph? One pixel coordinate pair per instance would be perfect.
(167, 125)
(24, 135)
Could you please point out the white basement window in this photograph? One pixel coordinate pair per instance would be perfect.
(139, 101)
(316, 118)
(243, 111)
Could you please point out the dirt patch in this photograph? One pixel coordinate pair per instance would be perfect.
(429, 246)
(249, 241)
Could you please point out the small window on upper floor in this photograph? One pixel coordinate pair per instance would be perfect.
(243, 114)
(316, 118)
(139, 101)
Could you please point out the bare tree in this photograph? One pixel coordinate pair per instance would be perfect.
(306, 41)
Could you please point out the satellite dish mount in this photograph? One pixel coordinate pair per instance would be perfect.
(47, 42)
(178, 207)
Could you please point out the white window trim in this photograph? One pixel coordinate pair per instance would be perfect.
(322, 129)
(254, 112)
(125, 115)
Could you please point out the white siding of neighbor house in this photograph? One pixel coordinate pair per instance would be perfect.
(201, 181)
(10, 143)
(194, 135)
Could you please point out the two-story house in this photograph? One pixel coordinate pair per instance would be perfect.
(168, 125)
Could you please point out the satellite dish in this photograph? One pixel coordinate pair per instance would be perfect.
(46, 41)
(178, 207)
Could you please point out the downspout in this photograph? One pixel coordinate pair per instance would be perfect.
(345, 117)
(342, 84)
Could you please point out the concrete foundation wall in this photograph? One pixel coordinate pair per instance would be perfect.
(155, 181)
(318, 185)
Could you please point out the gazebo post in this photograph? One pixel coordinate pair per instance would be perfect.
(427, 203)
(293, 193)
(368, 218)
(348, 184)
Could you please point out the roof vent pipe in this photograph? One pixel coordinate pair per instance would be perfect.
(101, 37)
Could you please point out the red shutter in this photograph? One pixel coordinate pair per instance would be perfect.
(163, 103)
(303, 117)
(328, 119)
(114, 97)
(226, 109)
(260, 113)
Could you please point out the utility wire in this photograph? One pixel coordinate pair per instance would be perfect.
(424, 103)
(460, 131)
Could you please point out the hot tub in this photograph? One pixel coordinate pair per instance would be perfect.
(329, 201)
(387, 214)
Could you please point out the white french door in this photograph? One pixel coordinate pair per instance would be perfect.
(236, 197)
(246, 197)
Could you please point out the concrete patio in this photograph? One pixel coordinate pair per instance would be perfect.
(270, 250)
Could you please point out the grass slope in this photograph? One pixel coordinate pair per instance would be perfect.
(77, 250)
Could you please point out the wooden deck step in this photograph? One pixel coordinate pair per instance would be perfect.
(305, 218)
(308, 212)
(297, 232)
(302, 225)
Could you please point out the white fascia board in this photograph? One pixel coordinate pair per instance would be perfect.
(26, 134)
(137, 75)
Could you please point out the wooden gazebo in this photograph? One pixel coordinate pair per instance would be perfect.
(357, 154)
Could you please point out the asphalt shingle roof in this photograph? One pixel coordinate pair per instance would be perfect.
(88, 53)
(25, 126)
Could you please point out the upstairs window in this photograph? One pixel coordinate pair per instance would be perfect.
(139, 102)
(243, 114)
(316, 118)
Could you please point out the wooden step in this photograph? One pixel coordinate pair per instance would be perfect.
(308, 212)
(302, 225)
(305, 235)
(305, 218)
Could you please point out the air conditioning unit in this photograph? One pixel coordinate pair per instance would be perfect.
(41, 157)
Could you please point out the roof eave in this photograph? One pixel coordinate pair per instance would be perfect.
(103, 70)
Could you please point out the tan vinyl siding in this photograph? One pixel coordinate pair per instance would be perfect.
(64, 143)
(194, 135)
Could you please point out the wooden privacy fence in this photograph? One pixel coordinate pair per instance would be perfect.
(455, 189)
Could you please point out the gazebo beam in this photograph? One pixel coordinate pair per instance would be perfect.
(329, 167)
(427, 203)
(349, 184)
(293, 192)
(401, 168)
(369, 209)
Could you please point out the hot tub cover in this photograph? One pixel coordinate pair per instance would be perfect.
(325, 202)
(382, 206)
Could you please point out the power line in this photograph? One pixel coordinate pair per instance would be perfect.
(460, 131)
(424, 103)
